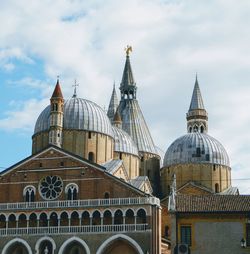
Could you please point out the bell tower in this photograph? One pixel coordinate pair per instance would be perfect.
(128, 86)
(56, 116)
(197, 117)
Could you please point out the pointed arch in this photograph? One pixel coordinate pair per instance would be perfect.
(16, 240)
(72, 239)
(45, 238)
(119, 237)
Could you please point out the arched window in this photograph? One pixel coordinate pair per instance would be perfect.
(91, 156)
(106, 195)
(74, 219)
(195, 128)
(202, 129)
(141, 216)
(217, 188)
(12, 221)
(33, 220)
(190, 129)
(2, 221)
(29, 193)
(107, 218)
(64, 219)
(129, 217)
(96, 218)
(43, 220)
(55, 107)
(118, 218)
(71, 191)
(53, 220)
(22, 221)
(85, 218)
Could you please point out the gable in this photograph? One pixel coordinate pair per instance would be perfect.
(116, 168)
(191, 188)
(92, 180)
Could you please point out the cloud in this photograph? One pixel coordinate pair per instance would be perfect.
(44, 87)
(8, 55)
(171, 40)
(23, 117)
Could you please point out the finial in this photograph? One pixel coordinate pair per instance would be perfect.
(128, 49)
(75, 85)
(114, 85)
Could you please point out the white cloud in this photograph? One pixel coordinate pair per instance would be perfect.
(171, 40)
(23, 116)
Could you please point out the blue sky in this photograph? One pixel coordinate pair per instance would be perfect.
(172, 40)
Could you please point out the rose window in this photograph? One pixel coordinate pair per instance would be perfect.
(51, 187)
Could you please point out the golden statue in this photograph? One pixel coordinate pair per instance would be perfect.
(128, 49)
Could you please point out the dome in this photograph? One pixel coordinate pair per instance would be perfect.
(123, 142)
(196, 148)
(79, 114)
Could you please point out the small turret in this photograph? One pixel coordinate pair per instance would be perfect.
(197, 117)
(56, 116)
(117, 120)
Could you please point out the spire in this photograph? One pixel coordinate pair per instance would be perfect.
(117, 119)
(196, 101)
(113, 104)
(197, 119)
(75, 85)
(57, 91)
(128, 85)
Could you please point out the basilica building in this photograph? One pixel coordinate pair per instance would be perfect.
(89, 185)
(95, 182)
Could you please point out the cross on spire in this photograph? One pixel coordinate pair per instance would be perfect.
(75, 85)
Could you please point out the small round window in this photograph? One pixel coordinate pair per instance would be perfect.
(51, 187)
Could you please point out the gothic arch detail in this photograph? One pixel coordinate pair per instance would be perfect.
(117, 237)
(16, 240)
(72, 239)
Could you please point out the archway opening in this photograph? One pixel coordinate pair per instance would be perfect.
(17, 248)
(85, 218)
(46, 247)
(141, 217)
(74, 219)
(130, 217)
(74, 248)
(120, 246)
(2, 221)
(33, 220)
(107, 218)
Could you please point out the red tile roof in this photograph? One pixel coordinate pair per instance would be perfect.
(212, 203)
(57, 91)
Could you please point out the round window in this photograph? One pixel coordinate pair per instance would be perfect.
(51, 187)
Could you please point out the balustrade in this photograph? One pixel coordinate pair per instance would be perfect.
(75, 229)
(80, 203)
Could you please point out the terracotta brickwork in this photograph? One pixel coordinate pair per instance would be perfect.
(207, 175)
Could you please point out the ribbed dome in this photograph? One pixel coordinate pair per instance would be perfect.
(123, 142)
(79, 114)
(196, 148)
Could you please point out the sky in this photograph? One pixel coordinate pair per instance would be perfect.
(172, 40)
